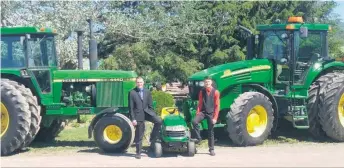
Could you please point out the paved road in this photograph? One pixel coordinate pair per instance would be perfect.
(285, 155)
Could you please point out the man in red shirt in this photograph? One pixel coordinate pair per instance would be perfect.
(208, 108)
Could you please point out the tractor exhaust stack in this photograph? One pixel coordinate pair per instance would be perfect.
(92, 49)
(80, 57)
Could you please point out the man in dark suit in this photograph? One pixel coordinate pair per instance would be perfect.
(141, 109)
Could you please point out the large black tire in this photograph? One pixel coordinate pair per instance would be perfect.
(332, 109)
(47, 134)
(238, 115)
(125, 127)
(34, 108)
(313, 102)
(19, 118)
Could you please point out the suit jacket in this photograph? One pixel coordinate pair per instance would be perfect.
(138, 107)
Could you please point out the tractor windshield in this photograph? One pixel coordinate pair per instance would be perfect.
(273, 44)
(42, 51)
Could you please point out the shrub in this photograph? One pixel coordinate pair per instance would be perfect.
(162, 99)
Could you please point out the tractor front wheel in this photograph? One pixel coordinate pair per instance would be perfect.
(47, 134)
(250, 120)
(15, 118)
(114, 133)
(332, 109)
(191, 148)
(157, 149)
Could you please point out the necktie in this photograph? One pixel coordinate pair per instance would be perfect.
(141, 94)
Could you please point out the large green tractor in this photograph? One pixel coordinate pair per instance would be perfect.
(287, 74)
(37, 97)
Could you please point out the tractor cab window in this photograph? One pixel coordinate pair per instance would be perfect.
(42, 51)
(273, 45)
(12, 52)
(308, 51)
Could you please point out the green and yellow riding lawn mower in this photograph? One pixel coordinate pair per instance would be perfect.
(37, 97)
(288, 74)
(175, 135)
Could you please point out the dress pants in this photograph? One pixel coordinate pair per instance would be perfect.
(140, 131)
(201, 116)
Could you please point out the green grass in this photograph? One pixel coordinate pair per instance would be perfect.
(74, 138)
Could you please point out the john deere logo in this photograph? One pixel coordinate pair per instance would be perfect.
(226, 73)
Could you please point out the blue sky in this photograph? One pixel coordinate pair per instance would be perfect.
(340, 9)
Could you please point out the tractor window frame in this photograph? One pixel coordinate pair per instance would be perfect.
(311, 59)
(9, 50)
(261, 45)
(47, 54)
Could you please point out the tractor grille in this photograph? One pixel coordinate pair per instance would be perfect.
(175, 133)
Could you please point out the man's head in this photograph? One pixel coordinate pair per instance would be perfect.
(139, 82)
(208, 82)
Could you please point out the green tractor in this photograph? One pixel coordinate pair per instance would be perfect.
(37, 98)
(287, 74)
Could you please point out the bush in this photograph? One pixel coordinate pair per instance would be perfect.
(162, 99)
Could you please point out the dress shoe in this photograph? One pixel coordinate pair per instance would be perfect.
(212, 153)
(138, 156)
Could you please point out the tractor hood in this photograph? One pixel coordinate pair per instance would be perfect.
(231, 69)
(173, 120)
(93, 75)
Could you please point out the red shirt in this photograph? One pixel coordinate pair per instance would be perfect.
(216, 102)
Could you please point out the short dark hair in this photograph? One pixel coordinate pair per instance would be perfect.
(208, 78)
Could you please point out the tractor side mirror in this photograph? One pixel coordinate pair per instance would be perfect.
(283, 61)
(303, 32)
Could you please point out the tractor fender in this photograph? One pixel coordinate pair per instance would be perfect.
(105, 112)
(266, 92)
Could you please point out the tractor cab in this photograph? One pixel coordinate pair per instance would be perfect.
(296, 49)
(30, 49)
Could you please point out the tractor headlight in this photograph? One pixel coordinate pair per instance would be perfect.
(190, 83)
(201, 83)
(175, 128)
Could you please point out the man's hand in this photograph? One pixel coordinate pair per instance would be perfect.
(134, 122)
(214, 121)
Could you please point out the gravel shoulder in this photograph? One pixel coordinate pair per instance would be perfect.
(278, 155)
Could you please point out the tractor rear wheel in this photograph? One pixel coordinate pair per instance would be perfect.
(46, 134)
(114, 133)
(332, 110)
(34, 108)
(15, 118)
(250, 120)
(313, 108)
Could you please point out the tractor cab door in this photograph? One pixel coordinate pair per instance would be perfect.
(41, 60)
(308, 50)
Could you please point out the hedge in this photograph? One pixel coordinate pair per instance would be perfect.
(162, 99)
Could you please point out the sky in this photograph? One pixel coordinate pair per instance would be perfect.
(340, 9)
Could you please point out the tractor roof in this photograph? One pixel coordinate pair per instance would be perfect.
(294, 23)
(26, 30)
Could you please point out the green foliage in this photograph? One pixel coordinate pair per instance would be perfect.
(162, 99)
(166, 40)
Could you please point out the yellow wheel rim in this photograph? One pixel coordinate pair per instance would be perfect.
(257, 121)
(112, 134)
(5, 119)
(341, 110)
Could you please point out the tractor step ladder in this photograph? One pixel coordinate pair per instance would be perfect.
(299, 116)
